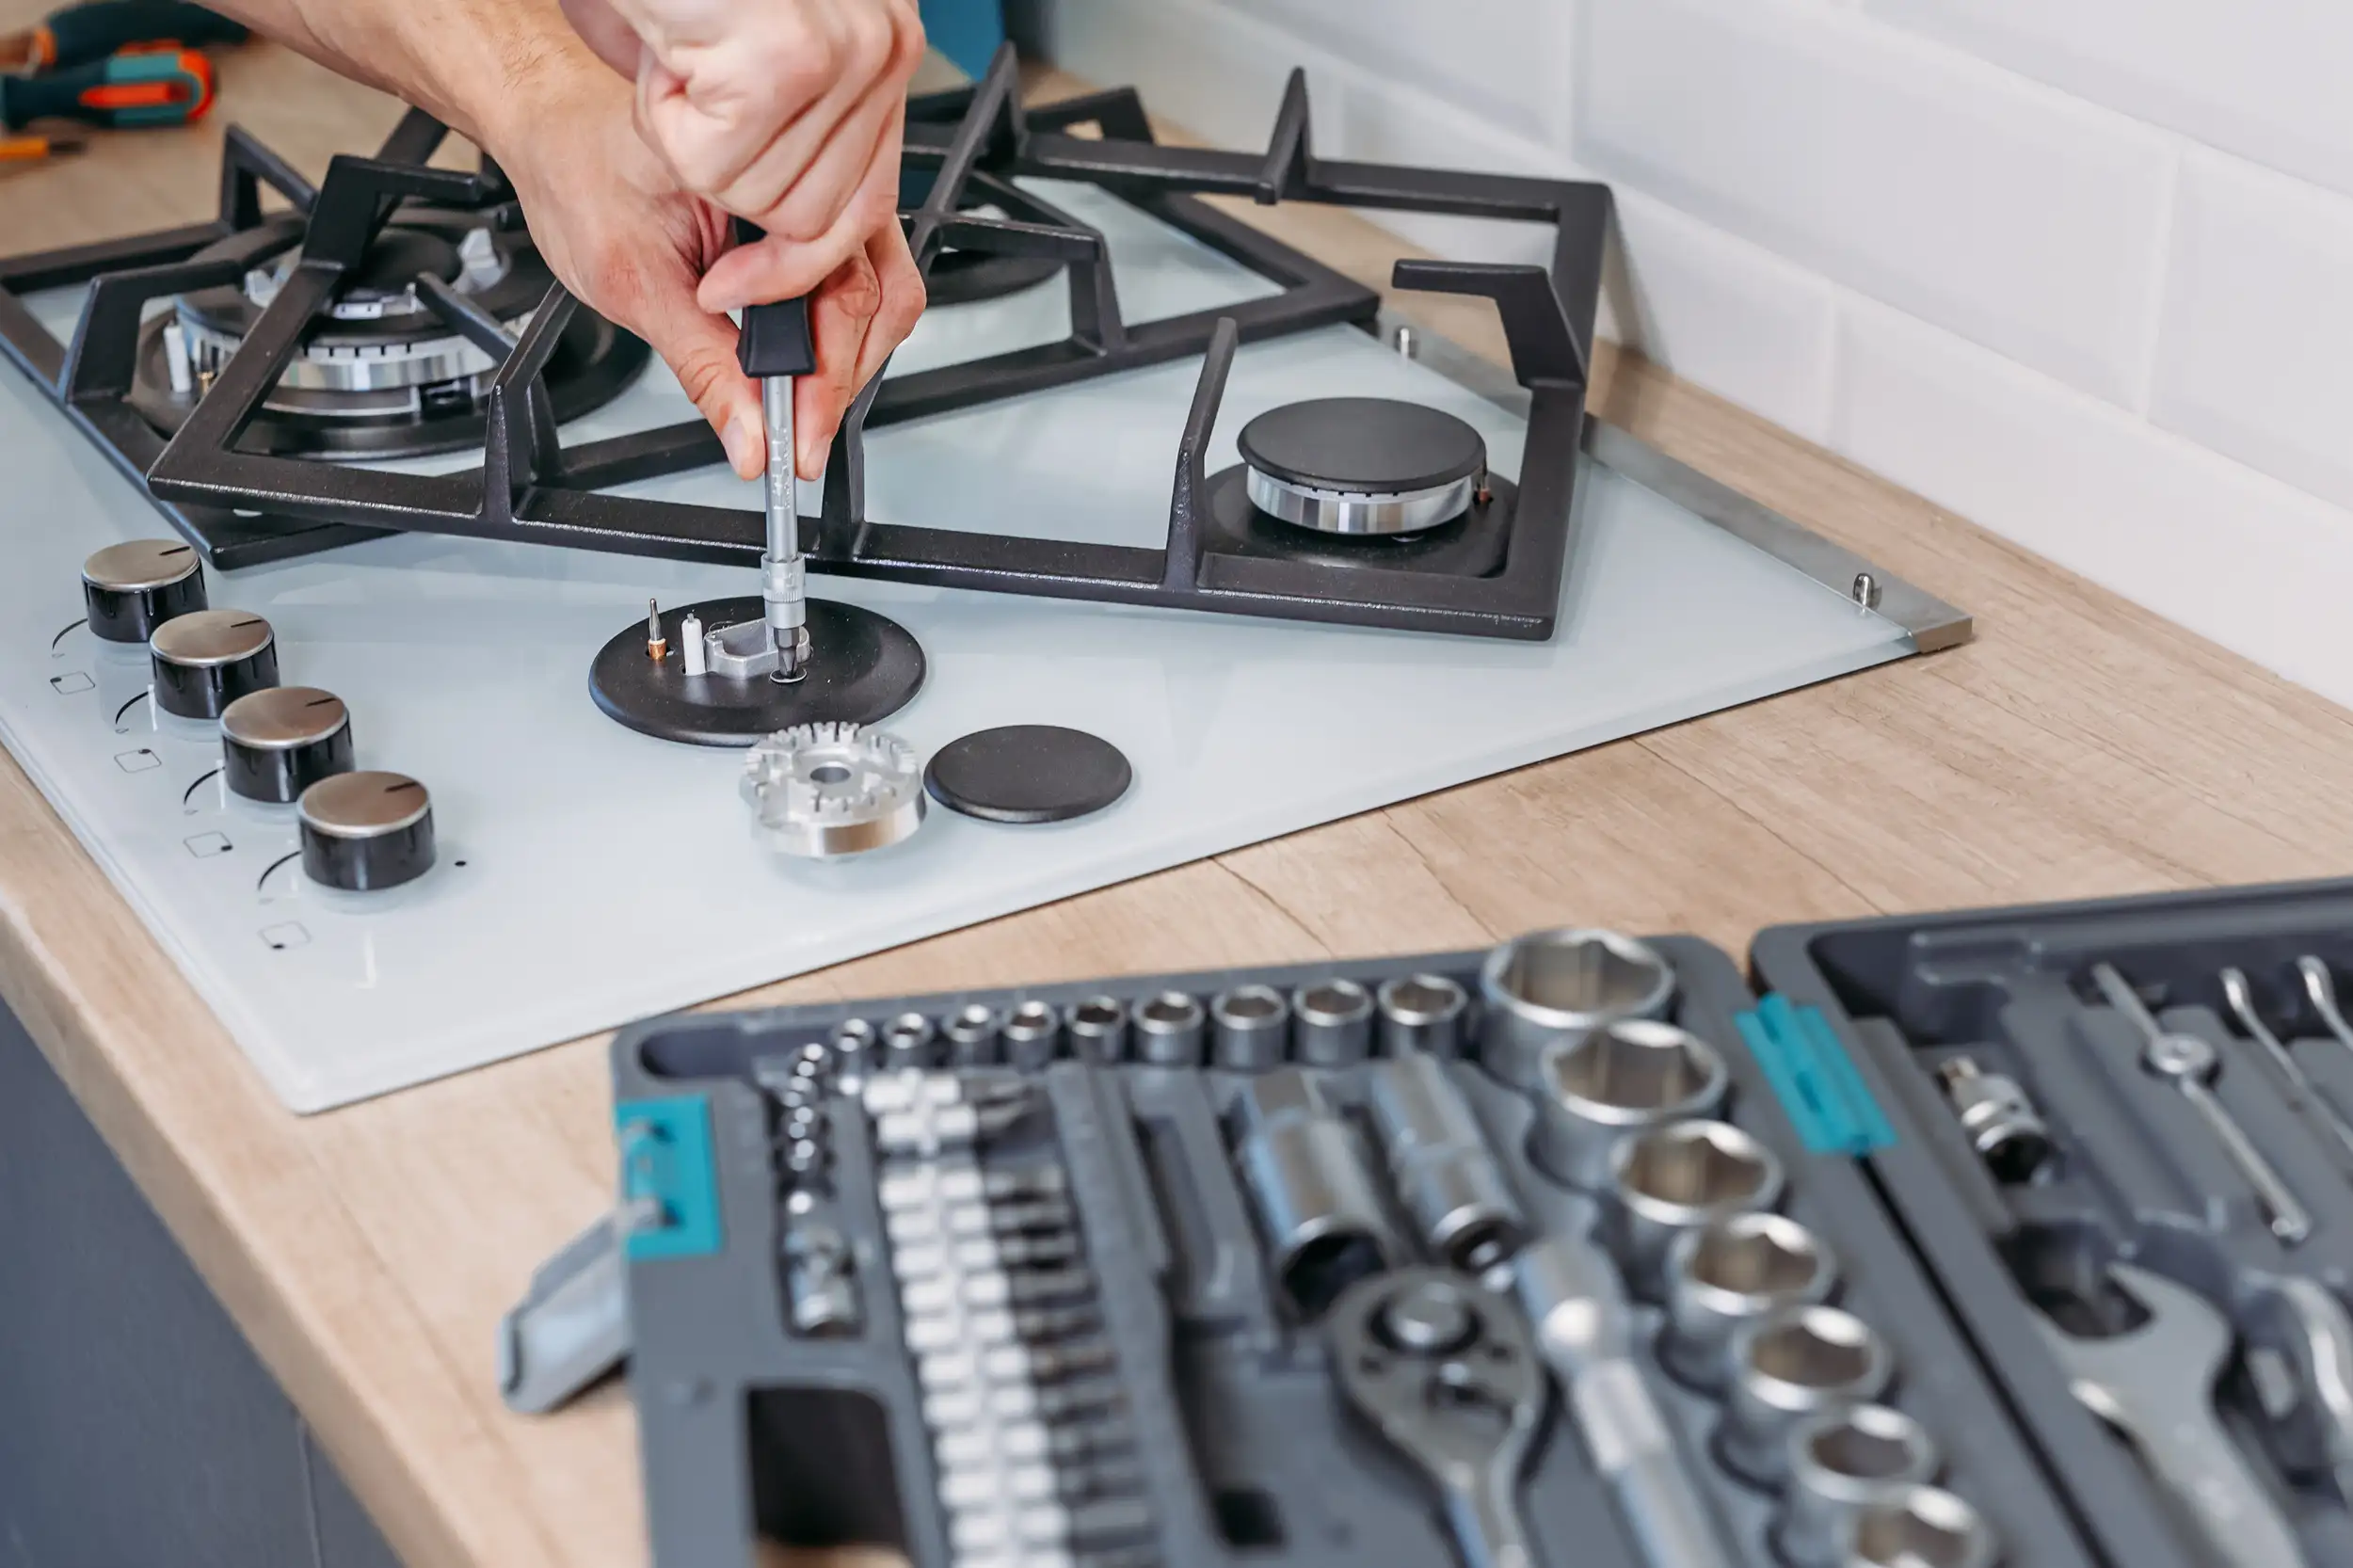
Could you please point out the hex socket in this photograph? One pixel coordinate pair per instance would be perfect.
(1097, 1028)
(1926, 1527)
(1679, 1177)
(1597, 1090)
(1440, 1164)
(971, 1036)
(1797, 1362)
(1314, 1201)
(1032, 1034)
(909, 1040)
(1553, 986)
(1839, 1462)
(1730, 1273)
(1169, 1028)
(1421, 1014)
(1249, 1028)
(1332, 1023)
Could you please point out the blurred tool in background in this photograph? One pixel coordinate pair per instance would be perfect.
(114, 64)
(122, 91)
(34, 148)
(85, 35)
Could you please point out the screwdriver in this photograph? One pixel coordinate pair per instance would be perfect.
(166, 87)
(775, 347)
(34, 148)
(84, 34)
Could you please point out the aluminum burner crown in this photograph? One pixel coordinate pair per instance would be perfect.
(1362, 465)
(824, 790)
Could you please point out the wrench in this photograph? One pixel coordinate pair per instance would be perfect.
(2319, 1336)
(2190, 1061)
(2322, 988)
(2155, 1385)
(1448, 1373)
(2241, 997)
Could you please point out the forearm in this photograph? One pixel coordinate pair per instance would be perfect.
(470, 63)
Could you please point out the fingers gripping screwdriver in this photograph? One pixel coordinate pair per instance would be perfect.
(774, 349)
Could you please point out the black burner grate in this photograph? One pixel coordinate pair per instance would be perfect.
(246, 506)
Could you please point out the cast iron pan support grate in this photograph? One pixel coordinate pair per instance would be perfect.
(530, 488)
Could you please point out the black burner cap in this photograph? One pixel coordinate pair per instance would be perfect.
(1376, 446)
(398, 255)
(1028, 773)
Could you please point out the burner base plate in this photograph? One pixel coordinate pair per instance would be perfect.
(1471, 545)
(863, 667)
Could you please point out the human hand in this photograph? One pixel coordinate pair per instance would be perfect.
(621, 235)
(785, 112)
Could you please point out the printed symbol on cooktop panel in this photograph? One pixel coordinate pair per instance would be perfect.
(286, 934)
(137, 762)
(71, 684)
(205, 845)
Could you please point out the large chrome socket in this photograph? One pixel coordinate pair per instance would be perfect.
(1678, 1179)
(1316, 1202)
(1840, 1463)
(1441, 1166)
(1169, 1028)
(1332, 1023)
(1595, 1091)
(1552, 986)
(1925, 1528)
(1097, 1028)
(1727, 1274)
(1790, 1365)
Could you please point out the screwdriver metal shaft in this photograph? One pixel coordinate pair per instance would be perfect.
(783, 575)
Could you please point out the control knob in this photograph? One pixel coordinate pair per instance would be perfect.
(365, 831)
(275, 744)
(204, 661)
(129, 589)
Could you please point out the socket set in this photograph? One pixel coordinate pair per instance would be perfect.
(1565, 1253)
(2129, 1165)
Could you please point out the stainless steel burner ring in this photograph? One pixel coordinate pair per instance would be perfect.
(1362, 512)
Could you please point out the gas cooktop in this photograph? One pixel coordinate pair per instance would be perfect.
(426, 501)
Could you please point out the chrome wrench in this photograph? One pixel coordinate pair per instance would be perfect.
(2240, 994)
(2155, 1385)
(2189, 1062)
(1448, 1373)
(2322, 988)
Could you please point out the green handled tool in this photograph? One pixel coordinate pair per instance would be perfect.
(85, 35)
(165, 87)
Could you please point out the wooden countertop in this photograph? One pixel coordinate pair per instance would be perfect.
(2079, 746)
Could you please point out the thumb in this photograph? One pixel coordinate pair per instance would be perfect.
(700, 349)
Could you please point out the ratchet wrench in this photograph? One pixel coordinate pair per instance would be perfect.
(2190, 1061)
(2155, 1385)
(1448, 1373)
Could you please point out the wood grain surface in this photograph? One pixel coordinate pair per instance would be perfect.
(2079, 746)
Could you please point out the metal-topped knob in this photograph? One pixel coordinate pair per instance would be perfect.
(365, 831)
(275, 744)
(129, 589)
(204, 661)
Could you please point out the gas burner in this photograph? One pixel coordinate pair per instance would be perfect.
(381, 373)
(970, 276)
(1363, 465)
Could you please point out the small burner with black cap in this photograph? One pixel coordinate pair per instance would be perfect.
(1363, 465)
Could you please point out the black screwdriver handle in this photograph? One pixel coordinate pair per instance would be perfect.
(776, 338)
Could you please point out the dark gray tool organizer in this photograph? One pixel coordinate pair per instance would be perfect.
(2128, 1171)
(1228, 1427)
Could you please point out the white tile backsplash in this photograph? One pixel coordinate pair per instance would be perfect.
(2256, 357)
(2261, 78)
(1950, 191)
(1987, 248)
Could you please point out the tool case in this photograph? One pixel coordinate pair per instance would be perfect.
(1162, 1349)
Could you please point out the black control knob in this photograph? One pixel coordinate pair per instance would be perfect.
(274, 745)
(205, 661)
(365, 831)
(129, 589)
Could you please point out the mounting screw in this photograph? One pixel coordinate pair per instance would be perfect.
(1406, 341)
(1867, 590)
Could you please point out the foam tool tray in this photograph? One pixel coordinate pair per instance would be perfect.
(2128, 1170)
(991, 1279)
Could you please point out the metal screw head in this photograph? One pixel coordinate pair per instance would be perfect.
(2181, 1056)
(1866, 591)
